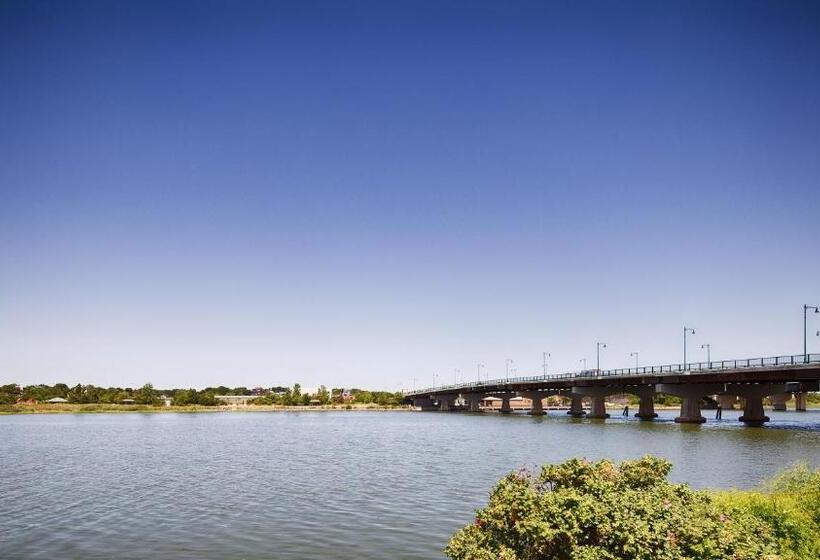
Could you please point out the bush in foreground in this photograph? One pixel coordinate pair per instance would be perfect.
(582, 510)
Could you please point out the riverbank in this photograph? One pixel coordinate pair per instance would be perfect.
(95, 408)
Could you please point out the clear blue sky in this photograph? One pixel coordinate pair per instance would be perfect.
(260, 193)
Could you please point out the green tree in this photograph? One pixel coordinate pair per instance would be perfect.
(323, 395)
(10, 393)
(580, 510)
(145, 395)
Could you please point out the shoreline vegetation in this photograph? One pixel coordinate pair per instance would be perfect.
(60, 398)
(76, 408)
(582, 510)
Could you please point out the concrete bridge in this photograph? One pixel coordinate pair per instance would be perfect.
(752, 379)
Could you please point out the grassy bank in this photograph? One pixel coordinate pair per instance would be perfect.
(67, 408)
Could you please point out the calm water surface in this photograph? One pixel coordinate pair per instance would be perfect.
(321, 484)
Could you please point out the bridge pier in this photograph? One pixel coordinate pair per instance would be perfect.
(753, 414)
(446, 402)
(597, 408)
(576, 407)
(646, 407)
(800, 402)
(690, 396)
(779, 401)
(474, 401)
(597, 397)
(424, 403)
(505, 404)
(536, 397)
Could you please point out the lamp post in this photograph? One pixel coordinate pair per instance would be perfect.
(805, 342)
(636, 358)
(598, 346)
(584, 360)
(708, 353)
(478, 371)
(435, 375)
(690, 331)
(546, 355)
(508, 361)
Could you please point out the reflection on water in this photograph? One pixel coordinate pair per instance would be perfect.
(322, 484)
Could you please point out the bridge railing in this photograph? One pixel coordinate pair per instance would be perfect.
(690, 368)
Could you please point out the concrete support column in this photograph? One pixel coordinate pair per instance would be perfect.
(727, 402)
(753, 394)
(536, 397)
(690, 410)
(474, 401)
(597, 396)
(779, 401)
(598, 408)
(576, 408)
(424, 403)
(505, 404)
(800, 402)
(646, 409)
(446, 402)
(690, 395)
(753, 412)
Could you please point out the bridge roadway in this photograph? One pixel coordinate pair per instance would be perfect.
(752, 379)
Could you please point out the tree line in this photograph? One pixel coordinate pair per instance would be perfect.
(148, 395)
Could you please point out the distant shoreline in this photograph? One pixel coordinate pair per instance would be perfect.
(95, 408)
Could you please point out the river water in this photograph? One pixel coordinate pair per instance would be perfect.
(303, 485)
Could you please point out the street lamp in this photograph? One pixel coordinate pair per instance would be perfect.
(636, 358)
(508, 361)
(805, 342)
(690, 331)
(599, 345)
(708, 353)
(435, 375)
(456, 371)
(546, 355)
(584, 360)
(479, 371)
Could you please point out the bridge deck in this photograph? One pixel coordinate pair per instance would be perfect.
(777, 369)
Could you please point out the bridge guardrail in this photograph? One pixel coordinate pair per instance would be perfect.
(690, 368)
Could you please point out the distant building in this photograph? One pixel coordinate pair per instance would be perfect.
(127, 401)
(235, 400)
(166, 400)
(57, 400)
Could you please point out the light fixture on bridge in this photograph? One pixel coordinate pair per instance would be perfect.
(708, 348)
(805, 329)
(685, 331)
(599, 345)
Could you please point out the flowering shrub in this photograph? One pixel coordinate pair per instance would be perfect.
(582, 510)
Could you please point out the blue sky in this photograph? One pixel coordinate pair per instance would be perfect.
(262, 193)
